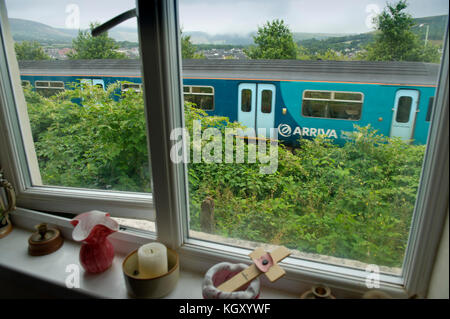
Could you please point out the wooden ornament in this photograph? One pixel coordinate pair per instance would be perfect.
(264, 263)
(45, 241)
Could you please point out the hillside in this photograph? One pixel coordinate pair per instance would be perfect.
(26, 30)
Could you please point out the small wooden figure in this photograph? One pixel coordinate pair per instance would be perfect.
(263, 263)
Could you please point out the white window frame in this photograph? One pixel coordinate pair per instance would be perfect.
(162, 83)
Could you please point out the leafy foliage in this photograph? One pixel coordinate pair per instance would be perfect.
(396, 41)
(99, 144)
(273, 40)
(354, 201)
(188, 50)
(100, 47)
(27, 50)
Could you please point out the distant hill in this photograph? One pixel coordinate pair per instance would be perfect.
(436, 30)
(26, 30)
(353, 43)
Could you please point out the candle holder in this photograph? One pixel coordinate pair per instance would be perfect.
(150, 287)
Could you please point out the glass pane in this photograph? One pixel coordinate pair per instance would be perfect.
(317, 95)
(86, 136)
(404, 109)
(266, 101)
(341, 191)
(186, 89)
(202, 89)
(348, 96)
(246, 100)
(315, 108)
(56, 84)
(345, 111)
(204, 102)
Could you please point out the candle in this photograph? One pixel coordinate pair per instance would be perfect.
(152, 260)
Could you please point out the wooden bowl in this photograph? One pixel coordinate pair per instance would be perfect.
(156, 287)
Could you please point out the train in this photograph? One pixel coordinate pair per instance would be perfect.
(296, 99)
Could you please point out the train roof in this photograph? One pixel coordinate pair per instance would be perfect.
(403, 73)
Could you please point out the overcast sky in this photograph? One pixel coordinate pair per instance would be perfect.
(227, 16)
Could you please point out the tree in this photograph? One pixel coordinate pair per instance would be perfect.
(395, 40)
(86, 46)
(30, 51)
(274, 40)
(188, 49)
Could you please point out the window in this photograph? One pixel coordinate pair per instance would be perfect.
(333, 105)
(201, 96)
(76, 158)
(246, 100)
(49, 88)
(430, 108)
(266, 103)
(131, 86)
(404, 109)
(25, 83)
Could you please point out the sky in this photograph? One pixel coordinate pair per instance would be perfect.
(227, 16)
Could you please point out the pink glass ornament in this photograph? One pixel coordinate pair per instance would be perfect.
(92, 229)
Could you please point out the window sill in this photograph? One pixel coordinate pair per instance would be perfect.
(17, 265)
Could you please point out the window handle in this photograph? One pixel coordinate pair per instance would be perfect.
(114, 21)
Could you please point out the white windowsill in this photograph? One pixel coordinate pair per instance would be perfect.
(109, 284)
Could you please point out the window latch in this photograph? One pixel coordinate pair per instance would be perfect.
(113, 22)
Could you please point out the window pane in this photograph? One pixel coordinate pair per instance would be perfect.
(186, 89)
(348, 96)
(266, 103)
(204, 102)
(317, 95)
(404, 109)
(86, 133)
(246, 100)
(315, 108)
(202, 89)
(344, 187)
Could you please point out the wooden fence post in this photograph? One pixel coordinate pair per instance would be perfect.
(207, 215)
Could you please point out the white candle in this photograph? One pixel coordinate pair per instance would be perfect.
(152, 260)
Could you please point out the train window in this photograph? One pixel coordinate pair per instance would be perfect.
(131, 86)
(201, 96)
(333, 105)
(25, 83)
(404, 109)
(246, 100)
(430, 108)
(48, 88)
(317, 95)
(266, 101)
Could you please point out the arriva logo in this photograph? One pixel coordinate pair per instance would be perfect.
(285, 130)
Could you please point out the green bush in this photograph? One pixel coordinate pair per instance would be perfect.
(354, 201)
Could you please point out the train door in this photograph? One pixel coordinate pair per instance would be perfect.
(404, 114)
(98, 82)
(256, 106)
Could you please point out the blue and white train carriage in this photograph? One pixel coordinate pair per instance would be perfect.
(301, 99)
